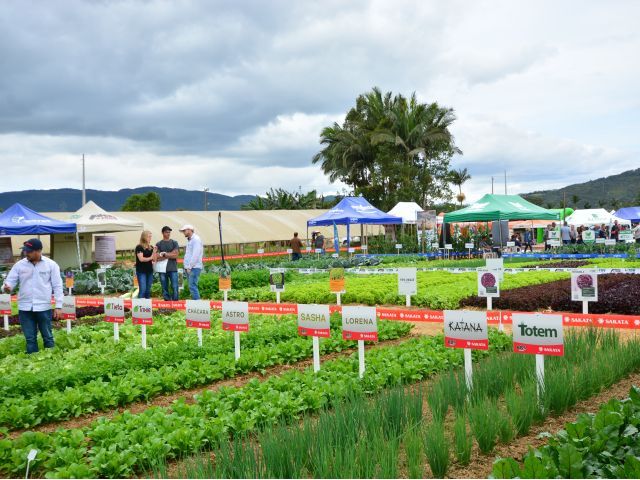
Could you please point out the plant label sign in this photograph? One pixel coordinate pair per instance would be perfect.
(276, 279)
(626, 236)
(68, 279)
(359, 323)
(610, 242)
(69, 307)
(448, 246)
(289, 251)
(336, 280)
(466, 329)
(488, 283)
(588, 236)
(584, 286)
(260, 251)
(5, 304)
(511, 244)
(600, 241)
(554, 235)
(469, 245)
(313, 320)
(497, 265)
(114, 310)
(198, 313)
(141, 311)
(538, 334)
(398, 246)
(101, 276)
(235, 316)
(407, 281)
(224, 283)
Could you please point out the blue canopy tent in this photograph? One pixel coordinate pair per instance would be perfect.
(629, 213)
(21, 220)
(353, 211)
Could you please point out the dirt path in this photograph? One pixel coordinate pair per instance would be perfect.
(481, 465)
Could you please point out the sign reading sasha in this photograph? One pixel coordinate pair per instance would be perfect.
(313, 320)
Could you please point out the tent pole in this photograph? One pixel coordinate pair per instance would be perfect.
(78, 249)
(348, 236)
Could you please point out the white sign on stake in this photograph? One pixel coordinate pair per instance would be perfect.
(609, 242)
(468, 330)
(69, 310)
(407, 283)
(496, 264)
(5, 308)
(584, 286)
(114, 313)
(314, 321)
(360, 323)
(198, 316)
(488, 283)
(142, 314)
(469, 245)
(235, 318)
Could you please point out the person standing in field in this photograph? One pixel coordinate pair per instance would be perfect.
(528, 240)
(565, 233)
(145, 256)
(296, 247)
(193, 259)
(38, 278)
(167, 257)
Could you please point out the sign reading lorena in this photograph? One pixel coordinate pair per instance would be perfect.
(359, 323)
(584, 286)
(235, 316)
(407, 281)
(198, 313)
(466, 329)
(69, 307)
(313, 320)
(5, 304)
(488, 283)
(141, 311)
(114, 310)
(538, 333)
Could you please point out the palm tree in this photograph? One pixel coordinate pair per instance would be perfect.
(574, 200)
(458, 178)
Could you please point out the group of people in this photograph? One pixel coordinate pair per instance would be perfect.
(163, 257)
(317, 240)
(570, 234)
(39, 278)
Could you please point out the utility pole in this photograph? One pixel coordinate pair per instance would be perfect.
(206, 189)
(505, 182)
(84, 193)
(491, 185)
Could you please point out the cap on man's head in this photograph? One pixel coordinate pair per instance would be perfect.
(187, 227)
(32, 245)
(166, 229)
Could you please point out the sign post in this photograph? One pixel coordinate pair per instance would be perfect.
(407, 283)
(114, 313)
(69, 310)
(489, 287)
(538, 334)
(101, 275)
(5, 308)
(360, 323)
(466, 329)
(314, 321)
(235, 318)
(198, 315)
(584, 287)
(448, 248)
(398, 248)
(68, 281)
(142, 314)
(469, 246)
(336, 283)
(276, 281)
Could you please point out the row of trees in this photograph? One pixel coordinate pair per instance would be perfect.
(280, 199)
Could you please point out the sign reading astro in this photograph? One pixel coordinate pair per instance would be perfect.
(538, 334)
(235, 316)
(466, 329)
(198, 314)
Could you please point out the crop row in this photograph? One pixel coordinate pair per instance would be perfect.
(501, 406)
(140, 376)
(602, 445)
(126, 443)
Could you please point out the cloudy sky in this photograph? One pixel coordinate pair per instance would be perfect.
(232, 95)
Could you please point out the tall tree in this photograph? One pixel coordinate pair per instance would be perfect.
(142, 202)
(458, 178)
(574, 200)
(390, 149)
(280, 199)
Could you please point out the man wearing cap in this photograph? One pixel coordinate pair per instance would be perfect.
(38, 277)
(192, 259)
(167, 265)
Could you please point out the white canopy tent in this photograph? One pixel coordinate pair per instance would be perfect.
(407, 210)
(594, 216)
(92, 219)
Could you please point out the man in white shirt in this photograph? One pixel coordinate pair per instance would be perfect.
(565, 234)
(39, 278)
(193, 259)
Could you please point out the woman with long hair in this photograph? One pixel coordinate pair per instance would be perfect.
(145, 256)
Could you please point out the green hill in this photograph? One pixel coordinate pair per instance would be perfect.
(616, 191)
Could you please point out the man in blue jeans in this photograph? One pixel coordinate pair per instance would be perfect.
(167, 265)
(193, 259)
(39, 278)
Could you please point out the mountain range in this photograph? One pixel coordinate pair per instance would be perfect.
(70, 199)
(612, 193)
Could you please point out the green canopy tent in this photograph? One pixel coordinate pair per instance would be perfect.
(500, 207)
